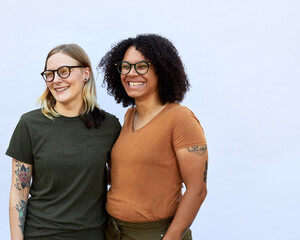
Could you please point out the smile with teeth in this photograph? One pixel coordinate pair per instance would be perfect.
(135, 83)
(61, 89)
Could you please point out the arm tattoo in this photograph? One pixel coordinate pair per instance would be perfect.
(23, 176)
(22, 209)
(205, 172)
(200, 150)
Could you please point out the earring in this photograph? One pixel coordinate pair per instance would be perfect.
(85, 79)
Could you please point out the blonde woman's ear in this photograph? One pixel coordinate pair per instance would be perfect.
(86, 77)
(87, 74)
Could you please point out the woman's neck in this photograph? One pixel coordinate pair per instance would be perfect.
(145, 112)
(147, 108)
(69, 111)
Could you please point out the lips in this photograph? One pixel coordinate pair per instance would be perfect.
(60, 89)
(135, 83)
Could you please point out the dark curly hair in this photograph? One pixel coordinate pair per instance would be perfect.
(172, 79)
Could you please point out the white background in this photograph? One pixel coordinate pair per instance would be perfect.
(242, 58)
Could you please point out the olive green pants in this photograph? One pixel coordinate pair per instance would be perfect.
(121, 230)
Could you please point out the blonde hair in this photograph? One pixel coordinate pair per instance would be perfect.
(47, 101)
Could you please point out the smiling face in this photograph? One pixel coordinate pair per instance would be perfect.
(67, 92)
(139, 87)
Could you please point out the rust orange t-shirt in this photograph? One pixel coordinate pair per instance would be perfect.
(145, 177)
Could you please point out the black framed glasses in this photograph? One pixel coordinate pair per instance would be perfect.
(141, 67)
(62, 72)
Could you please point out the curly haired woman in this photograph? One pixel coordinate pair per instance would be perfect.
(160, 147)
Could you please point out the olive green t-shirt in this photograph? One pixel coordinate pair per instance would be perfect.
(68, 190)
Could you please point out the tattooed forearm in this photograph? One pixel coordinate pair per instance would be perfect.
(22, 208)
(200, 150)
(205, 172)
(22, 176)
(18, 165)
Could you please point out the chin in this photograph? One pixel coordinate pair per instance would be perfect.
(134, 94)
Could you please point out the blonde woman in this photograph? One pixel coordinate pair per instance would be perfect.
(59, 155)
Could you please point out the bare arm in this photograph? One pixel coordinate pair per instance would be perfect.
(193, 167)
(20, 185)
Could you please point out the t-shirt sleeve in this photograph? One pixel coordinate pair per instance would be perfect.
(20, 144)
(117, 129)
(116, 132)
(187, 130)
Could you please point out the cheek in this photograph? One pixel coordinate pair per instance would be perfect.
(122, 79)
(75, 82)
(81, 82)
(49, 85)
(153, 79)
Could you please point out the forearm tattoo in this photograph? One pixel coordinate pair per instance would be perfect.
(200, 150)
(205, 172)
(22, 209)
(22, 176)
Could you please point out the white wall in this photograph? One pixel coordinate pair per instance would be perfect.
(242, 58)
